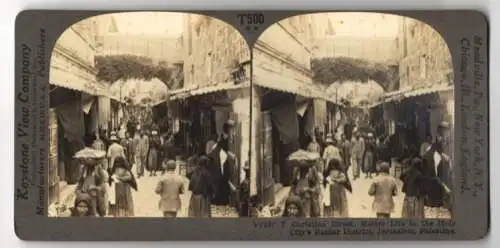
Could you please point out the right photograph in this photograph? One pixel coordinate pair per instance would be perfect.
(352, 117)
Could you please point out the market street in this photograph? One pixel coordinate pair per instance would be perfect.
(360, 203)
(146, 194)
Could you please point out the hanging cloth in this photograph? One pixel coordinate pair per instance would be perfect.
(104, 109)
(87, 103)
(302, 108)
(70, 116)
(285, 119)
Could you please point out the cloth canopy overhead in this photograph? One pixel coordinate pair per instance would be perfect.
(186, 92)
(137, 89)
(358, 93)
(413, 92)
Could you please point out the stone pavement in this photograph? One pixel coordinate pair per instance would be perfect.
(146, 201)
(360, 203)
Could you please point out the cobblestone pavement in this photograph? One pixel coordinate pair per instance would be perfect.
(146, 201)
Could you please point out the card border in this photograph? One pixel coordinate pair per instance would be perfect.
(472, 213)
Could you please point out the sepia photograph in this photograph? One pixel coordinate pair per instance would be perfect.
(352, 117)
(149, 117)
(251, 125)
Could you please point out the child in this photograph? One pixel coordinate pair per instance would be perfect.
(383, 189)
(83, 206)
(293, 208)
(122, 181)
(338, 183)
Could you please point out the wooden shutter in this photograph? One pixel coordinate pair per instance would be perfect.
(53, 158)
(266, 165)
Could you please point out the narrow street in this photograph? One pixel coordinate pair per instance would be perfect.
(360, 203)
(146, 200)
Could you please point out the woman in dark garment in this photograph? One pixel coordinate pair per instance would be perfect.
(221, 173)
(369, 159)
(154, 162)
(437, 172)
(306, 186)
(93, 182)
(202, 188)
(337, 180)
(414, 190)
(244, 193)
(123, 180)
(315, 184)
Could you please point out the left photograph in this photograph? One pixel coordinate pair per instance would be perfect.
(149, 117)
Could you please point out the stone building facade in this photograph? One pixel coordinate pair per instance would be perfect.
(158, 48)
(216, 79)
(424, 56)
(212, 49)
(73, 83)
(370, 36)
(424, 98)
(111, 40)
(282, 70)
(72, 63)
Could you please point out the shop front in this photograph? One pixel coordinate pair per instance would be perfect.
(288, 116)
(198, 119)
(419, 113)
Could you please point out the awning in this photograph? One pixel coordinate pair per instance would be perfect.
(407, 93)
(282, 83)
(188, 92)
(72, 80)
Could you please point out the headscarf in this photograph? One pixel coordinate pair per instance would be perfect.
(411, 176)
(120, 162)
(336, 164)
(203, 163)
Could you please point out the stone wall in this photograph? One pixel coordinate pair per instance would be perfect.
(72, 61)
(79, 41)
(291, 39)
(211, 51)
(158, 48)
(425, 57)
(382, 50)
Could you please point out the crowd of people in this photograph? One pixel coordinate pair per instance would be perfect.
(426, 177)
(106, 184)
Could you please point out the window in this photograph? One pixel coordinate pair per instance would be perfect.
(423, 67)
(189, 32)
(191, 74)
(208, 64)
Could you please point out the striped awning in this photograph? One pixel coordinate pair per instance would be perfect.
(195, 91)
(408, 93)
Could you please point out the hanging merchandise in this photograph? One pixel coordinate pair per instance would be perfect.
(87, 103)
(302, 108)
